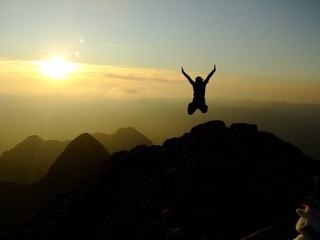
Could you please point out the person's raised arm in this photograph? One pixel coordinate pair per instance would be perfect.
(210, 75)
(187, 76)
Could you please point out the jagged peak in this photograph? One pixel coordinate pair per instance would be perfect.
(120, 131)
(124, 138)
(83, 136)
(83, 142)
(33, 139)
(30, 142)
(84, 152)
(126, 130)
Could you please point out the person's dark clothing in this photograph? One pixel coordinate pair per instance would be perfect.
(199, 90)
(198, 102)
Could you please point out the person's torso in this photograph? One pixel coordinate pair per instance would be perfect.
(199, 90)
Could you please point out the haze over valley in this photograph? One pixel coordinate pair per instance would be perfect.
(63, 118)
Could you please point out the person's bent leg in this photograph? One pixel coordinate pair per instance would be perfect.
(191, 108)
(204, 108)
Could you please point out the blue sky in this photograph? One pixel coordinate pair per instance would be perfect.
(263, 42)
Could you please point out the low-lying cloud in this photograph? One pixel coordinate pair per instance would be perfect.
(25, 77)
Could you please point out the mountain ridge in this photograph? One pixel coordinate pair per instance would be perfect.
(30, 160)
(80, 159)
(214, 182)
(83, 152)
(122, 139)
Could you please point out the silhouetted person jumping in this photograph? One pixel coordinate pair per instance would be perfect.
(199, 90)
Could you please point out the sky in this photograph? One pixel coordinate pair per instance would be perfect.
(74, 66)
(263, 50)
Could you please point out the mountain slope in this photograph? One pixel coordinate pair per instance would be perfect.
(75, 165)
(215, 182)
(81, 158)
(30, 160)
(123, 139)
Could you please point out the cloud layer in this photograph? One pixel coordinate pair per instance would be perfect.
(25, 77)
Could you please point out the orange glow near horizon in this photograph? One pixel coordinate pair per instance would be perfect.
(102, 80)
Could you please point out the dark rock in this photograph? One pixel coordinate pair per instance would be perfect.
(215, 127)
(244, 130)
(267, 234)
(212, 183)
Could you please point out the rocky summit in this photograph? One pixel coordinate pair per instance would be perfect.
(215, 182)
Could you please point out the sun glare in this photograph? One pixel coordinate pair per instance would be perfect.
(57, 68)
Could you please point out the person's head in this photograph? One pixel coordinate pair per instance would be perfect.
(199, 79)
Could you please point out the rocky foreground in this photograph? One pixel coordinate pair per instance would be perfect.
(215, 182)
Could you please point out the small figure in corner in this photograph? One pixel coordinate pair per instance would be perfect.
(199, 90)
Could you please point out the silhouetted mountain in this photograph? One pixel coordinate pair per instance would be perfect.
(123, 139)
(30, 160)
(81, 158)
(76, 164)
(215, 182)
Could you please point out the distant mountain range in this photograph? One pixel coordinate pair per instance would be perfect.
(123, 139)
(31, 159)
(214, 182)
(77, 163)
(81, 158)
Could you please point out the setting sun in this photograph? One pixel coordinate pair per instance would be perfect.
(57, 68)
